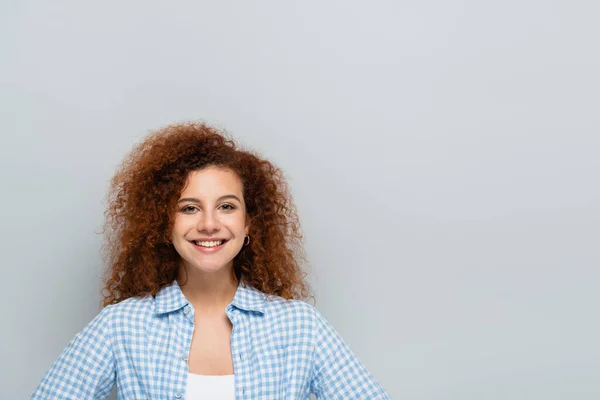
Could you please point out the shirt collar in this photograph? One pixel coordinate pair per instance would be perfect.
(171, 298)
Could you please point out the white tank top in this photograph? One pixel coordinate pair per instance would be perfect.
(213, 387)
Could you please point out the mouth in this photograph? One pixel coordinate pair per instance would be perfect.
(208, 246)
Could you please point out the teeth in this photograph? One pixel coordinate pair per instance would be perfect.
(209, 244)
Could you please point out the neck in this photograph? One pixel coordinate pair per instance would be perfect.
(209, 292)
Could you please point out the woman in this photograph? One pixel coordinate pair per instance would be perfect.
(205, 287)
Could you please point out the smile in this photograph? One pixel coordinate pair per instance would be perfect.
(209, 246)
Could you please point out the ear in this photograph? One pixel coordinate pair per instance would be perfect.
(247, 227)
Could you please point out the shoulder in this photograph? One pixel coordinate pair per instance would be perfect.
(278, 306)
(131, 312)
(291, 314)
(299, 318)
(271, 306)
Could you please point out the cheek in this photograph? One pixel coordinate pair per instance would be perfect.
(242, 229)
(235, 223)
(181, 225)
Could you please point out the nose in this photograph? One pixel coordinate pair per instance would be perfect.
(208, 222)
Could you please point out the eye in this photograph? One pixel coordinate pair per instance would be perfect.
(188, 209)
(228, 207)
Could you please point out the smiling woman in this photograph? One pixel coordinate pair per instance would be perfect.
(205, 290)
(210, 225)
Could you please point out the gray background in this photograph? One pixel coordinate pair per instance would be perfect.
(443, 156)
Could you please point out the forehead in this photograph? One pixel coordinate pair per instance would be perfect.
(213, 181)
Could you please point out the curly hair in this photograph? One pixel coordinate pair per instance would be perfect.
(141, 204)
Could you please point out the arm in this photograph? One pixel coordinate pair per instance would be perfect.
(337, 372)
(85, 369)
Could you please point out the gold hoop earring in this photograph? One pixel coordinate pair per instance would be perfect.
(247, 242)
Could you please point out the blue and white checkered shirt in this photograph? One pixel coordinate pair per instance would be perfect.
(281, 350)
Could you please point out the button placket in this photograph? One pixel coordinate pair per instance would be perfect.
(187, 328)
(237, 365)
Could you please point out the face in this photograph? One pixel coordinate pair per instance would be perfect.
(210, 221)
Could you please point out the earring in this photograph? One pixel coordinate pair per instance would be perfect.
(247, 240)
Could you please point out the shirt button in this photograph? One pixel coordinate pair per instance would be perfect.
(241, 356)
(177, 395)
(186, 310)
(184, 357)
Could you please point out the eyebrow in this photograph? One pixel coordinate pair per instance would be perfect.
(195, 200)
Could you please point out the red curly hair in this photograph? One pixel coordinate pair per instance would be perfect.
(141, 206)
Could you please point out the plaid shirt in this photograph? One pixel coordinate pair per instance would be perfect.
(281, 350)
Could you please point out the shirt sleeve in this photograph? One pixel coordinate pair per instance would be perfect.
(86, 367)
(337, 372)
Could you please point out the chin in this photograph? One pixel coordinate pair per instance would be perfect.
(209, 267)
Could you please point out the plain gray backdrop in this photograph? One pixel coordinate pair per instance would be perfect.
(444, 157)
